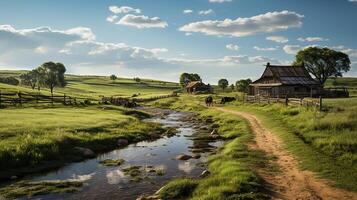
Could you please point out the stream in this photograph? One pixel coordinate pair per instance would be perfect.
(109, 182)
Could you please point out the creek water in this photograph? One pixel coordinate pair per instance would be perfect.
(109, 182)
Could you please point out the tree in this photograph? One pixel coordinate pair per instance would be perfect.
(137, 79)
(9, 80)
(232, 87)
(243, 84)
(52, 75)
(185, 78)
(113, 77)
(223, 83)
(323, 62)
(30, 78)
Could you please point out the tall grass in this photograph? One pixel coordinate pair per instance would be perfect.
(30, 137)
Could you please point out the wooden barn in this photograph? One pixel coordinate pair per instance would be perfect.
(281, 81)
(197, 86)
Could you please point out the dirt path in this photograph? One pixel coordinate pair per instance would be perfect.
(288, 182)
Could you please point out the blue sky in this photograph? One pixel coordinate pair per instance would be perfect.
(163, 38)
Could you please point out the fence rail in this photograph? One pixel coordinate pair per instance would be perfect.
(18, 98)
(306, 102)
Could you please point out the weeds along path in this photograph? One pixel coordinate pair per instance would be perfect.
(288, 182)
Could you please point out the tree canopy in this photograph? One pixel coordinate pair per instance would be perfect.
(323, 62)
(243, 84)
(185, 78)
(52, 75)
(223, 83)
(113, 77)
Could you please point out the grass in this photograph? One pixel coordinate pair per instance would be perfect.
(94, 87)
(34, 137)
(324, 142)
(29, 189)
(231, 175)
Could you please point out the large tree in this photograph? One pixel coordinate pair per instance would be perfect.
(242, 85)
(223, 83)
(323, 62)
(185, 78)
(113, 77)
(52, 75)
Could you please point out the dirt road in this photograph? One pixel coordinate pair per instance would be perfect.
(288, 182)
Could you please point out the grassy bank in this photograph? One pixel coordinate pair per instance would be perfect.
(231, 175)
(36, 138)
(324, 142)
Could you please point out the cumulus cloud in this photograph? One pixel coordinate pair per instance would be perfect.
(112, 18)
(312, 39)
(264, 23)
(187, 11)
(219, 1)
(232, 47)
(141, 21)
(353, 1)
(265, 48)
(206, 12)
(293, 49)
(123, 9)
(278, 39)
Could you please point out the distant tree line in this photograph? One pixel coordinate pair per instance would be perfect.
(48, 75)
(9, 80)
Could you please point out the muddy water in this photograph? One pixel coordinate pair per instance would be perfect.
(103, 182)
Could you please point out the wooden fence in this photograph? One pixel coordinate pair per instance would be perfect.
(132, 102)
(18, 98)
(306, 102)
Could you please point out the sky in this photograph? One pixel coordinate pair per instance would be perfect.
(160, 39)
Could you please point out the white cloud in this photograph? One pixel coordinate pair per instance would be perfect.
(265, 23)
(123, 9)
(141, 21)
(279, 39)
(219, 1)
(350, 52)
(312, 39)
(265, 49)
(206, 12)
(187, 11)
(188, 34)
(292, 49)
(232, 47)
(354, 1)
(112, 18)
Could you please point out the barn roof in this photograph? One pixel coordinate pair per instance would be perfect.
(193, 84)
(286, 75)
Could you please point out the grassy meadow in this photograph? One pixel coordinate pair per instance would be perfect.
(94, 87)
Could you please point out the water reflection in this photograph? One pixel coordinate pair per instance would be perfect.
(103, 182)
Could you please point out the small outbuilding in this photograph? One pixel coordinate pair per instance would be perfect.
(197, 86)
(281, 81)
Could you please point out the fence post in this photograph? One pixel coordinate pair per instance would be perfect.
(37, 98)
(320, 103)
(64, 98)
(20, 100)
(52, 99)
(286, 100)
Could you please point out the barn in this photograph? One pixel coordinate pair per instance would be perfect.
(281, 81)
(197, 86)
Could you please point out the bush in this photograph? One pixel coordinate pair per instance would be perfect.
(9, 80)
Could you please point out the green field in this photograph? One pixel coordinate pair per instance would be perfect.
(96, 86)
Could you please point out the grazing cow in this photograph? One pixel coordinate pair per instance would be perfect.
(227, 99)
(209, 101)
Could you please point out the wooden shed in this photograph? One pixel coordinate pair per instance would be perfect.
(281, 81)
(197, 86)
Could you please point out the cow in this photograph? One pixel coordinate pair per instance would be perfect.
(227, 99)
(209, 101)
